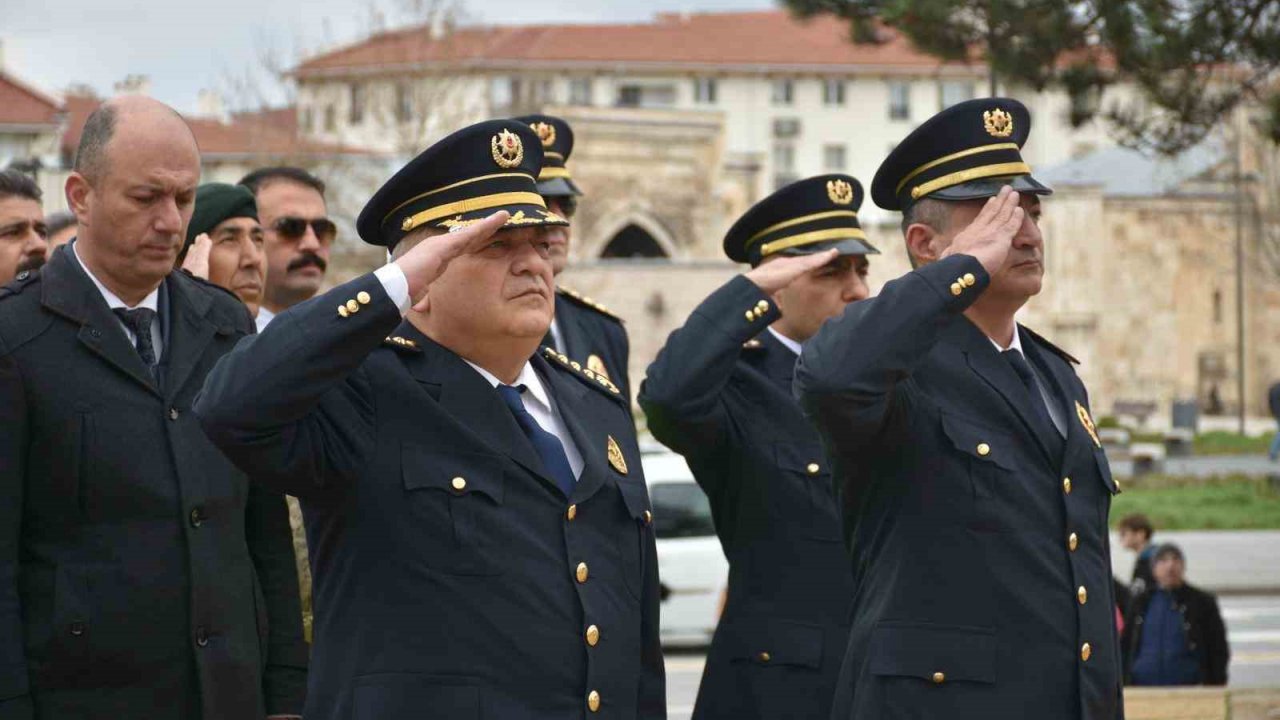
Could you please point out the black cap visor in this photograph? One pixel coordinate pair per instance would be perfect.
(983, 188)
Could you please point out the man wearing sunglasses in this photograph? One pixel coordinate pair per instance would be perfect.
(298, 234)
(23, 244)
(583, 329)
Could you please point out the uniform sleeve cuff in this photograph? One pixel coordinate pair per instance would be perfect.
(395, 284)
(740, 308)
(959, 280)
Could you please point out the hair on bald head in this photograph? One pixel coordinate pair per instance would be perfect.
(91, 154)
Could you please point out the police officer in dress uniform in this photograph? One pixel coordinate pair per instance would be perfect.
(583, 329)
(975, 491)
(719, 393)
(480, 529)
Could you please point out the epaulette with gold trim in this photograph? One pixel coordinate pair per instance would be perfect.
(752, 344)
(398, 343)
(1050, 346)
(586, 375)
(586, 302)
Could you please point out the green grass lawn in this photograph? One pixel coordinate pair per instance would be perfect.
(1230, 503)
(1227, 443)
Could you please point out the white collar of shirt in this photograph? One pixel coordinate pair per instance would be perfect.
(787, 342)
(151, 301)
(1015, 345)
(528, 377)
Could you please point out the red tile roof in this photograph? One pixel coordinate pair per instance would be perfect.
(268, 133)
(770, 38)
(21, 104)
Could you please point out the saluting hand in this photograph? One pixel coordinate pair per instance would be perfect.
(777, 274)
(197, 260)
(989, 238)
(427, 260)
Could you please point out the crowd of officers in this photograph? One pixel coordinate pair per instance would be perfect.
(909, 488)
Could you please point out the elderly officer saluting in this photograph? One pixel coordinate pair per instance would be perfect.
(478, 518)
(583, 329)
(719, 393)
(974, 488)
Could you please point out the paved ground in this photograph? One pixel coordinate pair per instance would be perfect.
(1207, 465)
(1253, 627)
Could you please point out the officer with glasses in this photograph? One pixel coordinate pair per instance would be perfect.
(299, 234)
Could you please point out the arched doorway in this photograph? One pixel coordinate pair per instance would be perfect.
(631, 242)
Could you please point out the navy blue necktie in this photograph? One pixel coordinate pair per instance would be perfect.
(548, 446)
(139, 322)
(1036, 402)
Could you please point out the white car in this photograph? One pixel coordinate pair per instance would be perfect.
(692, 569)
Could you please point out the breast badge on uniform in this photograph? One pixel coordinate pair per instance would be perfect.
(616, 459)
(1087, 422)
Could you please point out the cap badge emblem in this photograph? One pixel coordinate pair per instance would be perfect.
(840, 192)
(998, 123)
(546, 133)
(507, 149)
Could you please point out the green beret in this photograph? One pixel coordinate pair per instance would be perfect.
(216, 202)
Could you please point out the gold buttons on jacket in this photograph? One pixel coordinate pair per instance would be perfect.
(593, 701)
(1086, 651)
(984, 449)
(813, 468)
(572, 512)
(648, 517)
(342, 310)
(1066, 485)
(751, 315)
(581, 573)
(1082, 595)
(956, 289)
(459, 484)
(353, 306)
(939, 678)
(1073, 541)
(763, 306)
(969, 280)
(593, 635)
(363, 298)
(764, 657)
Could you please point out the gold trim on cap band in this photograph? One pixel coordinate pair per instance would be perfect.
(484, 202)
(953, 156)
(809, 238)
(460, 183)
(983, 171)
(799, 220)
(556, 155)
(552, 173)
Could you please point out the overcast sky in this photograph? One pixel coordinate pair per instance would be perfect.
(185, 46)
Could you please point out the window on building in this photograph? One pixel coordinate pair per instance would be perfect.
(308, 120)
(704, 91)
(503, 91)
(632, 242)
(580, 91)
(833, 157)
(784, 164)
(1217, 307)
(355, 105)
(833, 92)
(784, 91)
(646, 96)
(786, 128)
(404, 102)
(899, 100)
(955, 91)
(330, 118)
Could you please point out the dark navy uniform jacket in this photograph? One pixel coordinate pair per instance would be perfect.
(142, 575)
(588, 329)
(982, 563)
(730, 412)
(453, 579)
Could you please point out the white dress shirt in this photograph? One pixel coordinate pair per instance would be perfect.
(536, 398)
(264, 318)
(1055, 412)
(556, 337)
(151, 302)
(787, 342)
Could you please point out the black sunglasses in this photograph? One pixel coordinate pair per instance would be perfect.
(295, 227)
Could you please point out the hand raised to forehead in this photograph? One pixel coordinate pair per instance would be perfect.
(427, 260)
(777, 274)
(989, 238)
(197, 260)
